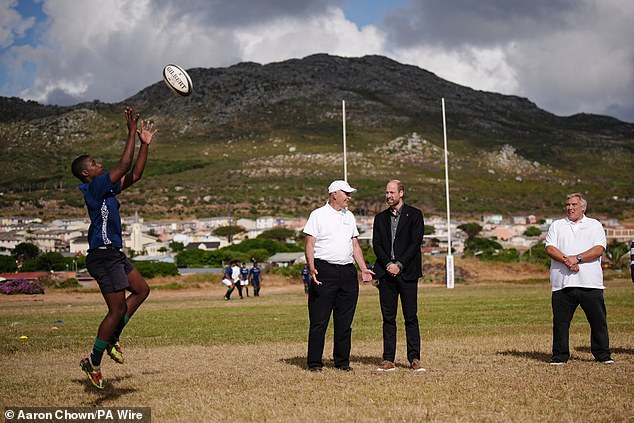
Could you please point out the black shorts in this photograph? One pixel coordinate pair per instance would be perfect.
(110, 269)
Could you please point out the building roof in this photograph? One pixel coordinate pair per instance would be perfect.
(286, 257)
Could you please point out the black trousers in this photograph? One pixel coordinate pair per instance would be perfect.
(564, 303)
(389, 290)
(338, 295)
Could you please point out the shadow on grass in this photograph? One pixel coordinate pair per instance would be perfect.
(300, 361)
(109, 391)
(617, 350)
(545, 357)
(533, 355)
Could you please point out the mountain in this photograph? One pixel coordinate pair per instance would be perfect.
(267, 139)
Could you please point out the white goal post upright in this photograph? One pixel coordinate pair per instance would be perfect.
(345, 160)
(449, 269)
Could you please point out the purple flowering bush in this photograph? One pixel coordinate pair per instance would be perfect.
(21, 286)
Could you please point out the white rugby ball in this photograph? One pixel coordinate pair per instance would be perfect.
(177, 80)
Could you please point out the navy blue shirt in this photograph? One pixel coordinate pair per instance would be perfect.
(244, 273)
(255, 275)
(103, 210)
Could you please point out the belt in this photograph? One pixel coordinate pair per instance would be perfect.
(334, 264)
(109, 247)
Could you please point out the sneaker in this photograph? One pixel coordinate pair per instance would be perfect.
(608, 361)
(416, 366)
(386, 366)
(115, 352)
(314, 369)
(226, 298)
(344, 368)
(94, 375)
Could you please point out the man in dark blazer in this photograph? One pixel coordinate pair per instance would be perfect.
(396, 239)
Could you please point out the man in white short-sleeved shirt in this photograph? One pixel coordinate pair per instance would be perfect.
(331, 249)
(575, 245)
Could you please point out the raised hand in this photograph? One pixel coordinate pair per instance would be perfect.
(131, 119)
(147, 132)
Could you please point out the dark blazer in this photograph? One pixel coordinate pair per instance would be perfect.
(407, 243)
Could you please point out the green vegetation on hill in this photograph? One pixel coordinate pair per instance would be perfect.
(257, 140)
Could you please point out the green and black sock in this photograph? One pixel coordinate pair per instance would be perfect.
(97, 352)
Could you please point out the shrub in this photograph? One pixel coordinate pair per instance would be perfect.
(537, 254)
(150, 270)
(21, 286)
(508, 255)
(294, 270)
(8, 264)
(68, 283)
(55, 281)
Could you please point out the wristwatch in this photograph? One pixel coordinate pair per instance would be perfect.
(579, 258)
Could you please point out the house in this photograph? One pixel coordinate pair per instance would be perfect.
(287, 259)
(493, 219)
(205, 246)
(8, 241)
(79, 245)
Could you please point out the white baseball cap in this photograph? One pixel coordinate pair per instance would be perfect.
(339, 185)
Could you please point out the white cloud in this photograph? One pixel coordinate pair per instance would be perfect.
(482, 68)
(589, 67)
(566, 55)
(12, 25)
(329, 32)
(121, 49)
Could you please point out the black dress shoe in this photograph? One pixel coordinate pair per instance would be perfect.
(344, 368)
(314, 369)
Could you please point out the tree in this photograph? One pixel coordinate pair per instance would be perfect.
(229, 231)
(25, 251)
(532, 231)
(278, 234)
(477, 245)
(614, 251)
(176, 246)
(51, 261)
(7, 264)
(537, 254)
(472, 229)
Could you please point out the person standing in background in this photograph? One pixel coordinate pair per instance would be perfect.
(575, 245)
(331, 249)
(397, 237)
(255, 278)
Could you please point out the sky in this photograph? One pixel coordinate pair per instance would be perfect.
(567, 56)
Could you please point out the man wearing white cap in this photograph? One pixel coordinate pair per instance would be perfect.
(332, 248)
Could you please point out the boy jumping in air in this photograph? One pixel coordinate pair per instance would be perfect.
(106, 261)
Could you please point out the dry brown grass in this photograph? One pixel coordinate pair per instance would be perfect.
(473, 379)
(502, 376)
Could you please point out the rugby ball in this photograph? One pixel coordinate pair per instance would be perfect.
(177, 80)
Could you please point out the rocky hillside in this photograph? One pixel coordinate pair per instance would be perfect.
(267, 139)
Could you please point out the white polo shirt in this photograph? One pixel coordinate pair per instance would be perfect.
(333, 231)
(571, 239)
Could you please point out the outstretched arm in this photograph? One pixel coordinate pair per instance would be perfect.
(146, 134)
(125, 162)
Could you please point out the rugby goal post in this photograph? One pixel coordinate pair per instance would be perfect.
(449, 268)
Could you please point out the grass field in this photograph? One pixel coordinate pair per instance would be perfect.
(192, 357)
